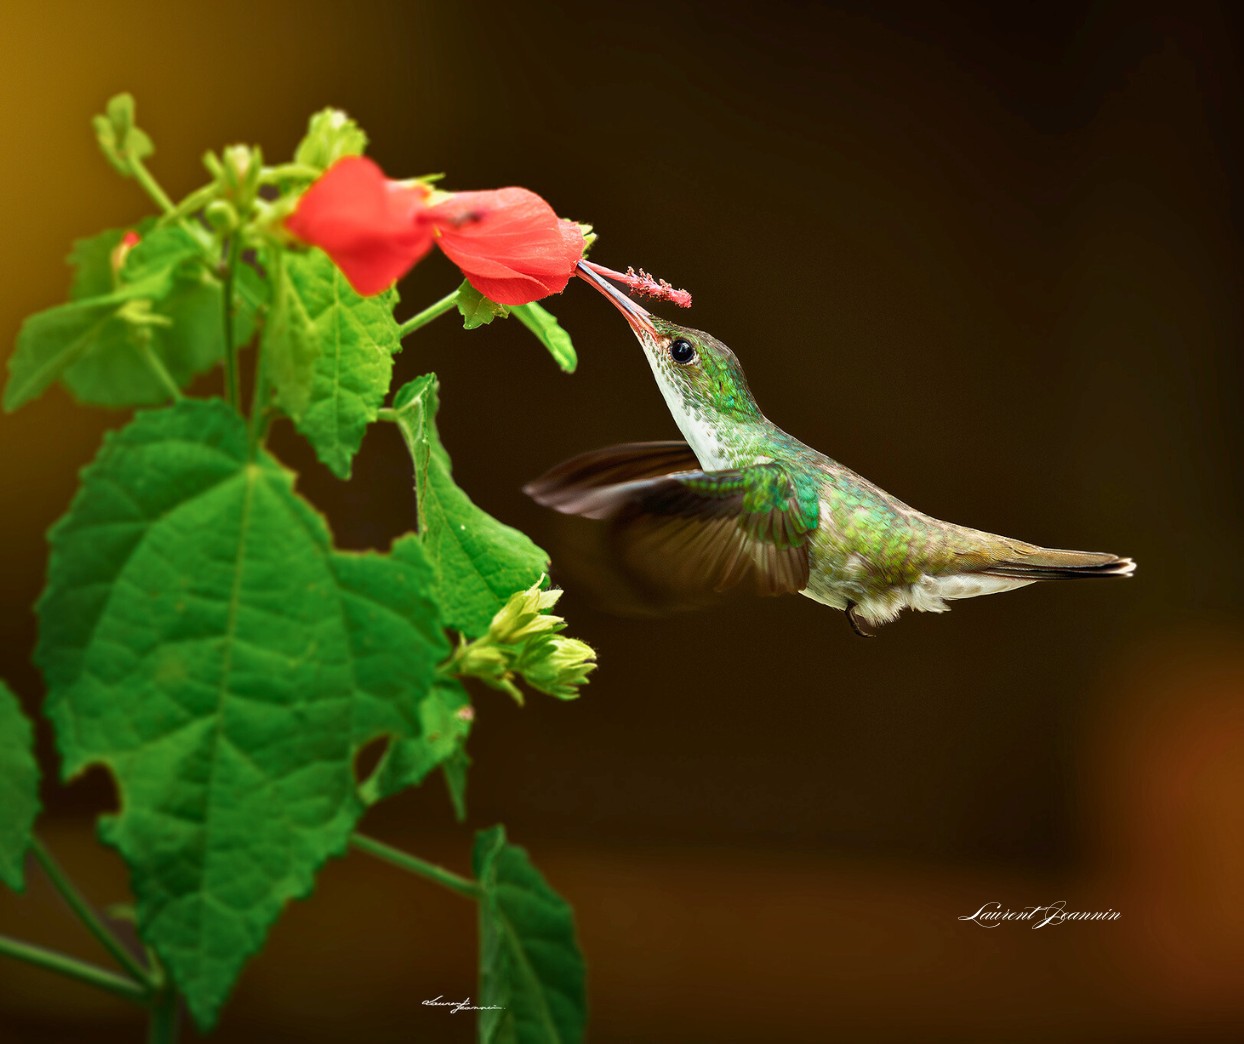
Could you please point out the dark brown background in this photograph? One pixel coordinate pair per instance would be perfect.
(987, 255)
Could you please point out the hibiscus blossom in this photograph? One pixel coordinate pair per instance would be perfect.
(510, 244)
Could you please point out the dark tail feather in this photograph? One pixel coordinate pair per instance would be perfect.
(1047, 564)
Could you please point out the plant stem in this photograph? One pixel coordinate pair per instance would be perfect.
(288, 170)
(261, 410)
(163, 1024)
(160, 370)
(197, 200)
(151, 186)
(72, 968)
(232, 388)
(415, 865)
(428, 314)
(87, 916)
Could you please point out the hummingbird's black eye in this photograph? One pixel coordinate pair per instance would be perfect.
(682, 351)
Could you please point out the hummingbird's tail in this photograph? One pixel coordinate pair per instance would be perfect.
(1044, 563)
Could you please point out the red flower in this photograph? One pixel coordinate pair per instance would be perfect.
(374, 229)
(509, 243)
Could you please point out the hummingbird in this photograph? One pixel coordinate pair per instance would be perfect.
(740, 503)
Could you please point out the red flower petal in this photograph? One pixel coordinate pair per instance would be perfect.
(509, 243)
(373, 229)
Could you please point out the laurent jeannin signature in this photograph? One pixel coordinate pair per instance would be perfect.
(457, 1006)
(991, 915)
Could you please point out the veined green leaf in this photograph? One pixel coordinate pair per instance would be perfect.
(549, 333)
(329, 353)
(478, 561)
(19, 789)
(442, 735)
(51, 342)
(123, 345)
(186, 334)
(91, 260)
(531, 972)
(476, 309)
(202, 639)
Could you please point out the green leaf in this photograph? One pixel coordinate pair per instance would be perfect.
(478, 562)
(442, 734)
(454, 769)
(331, 134)
(476, 309)
(549, 333)
(186, 336)
(203, 641)
(121, 141)
(19, 789)
(161, 324)
(530, 969)
(329, 353)
(92, 258)
(172, 247)
(251, 295)
(51, 342)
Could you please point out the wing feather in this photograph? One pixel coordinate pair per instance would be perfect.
(680, 530)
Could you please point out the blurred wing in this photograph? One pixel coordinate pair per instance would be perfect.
(569, 486)
(690, 531)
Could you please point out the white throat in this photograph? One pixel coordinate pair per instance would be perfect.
(696, 427)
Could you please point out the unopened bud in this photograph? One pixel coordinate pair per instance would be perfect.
(121, 251)
(525, 615)
(558, 666)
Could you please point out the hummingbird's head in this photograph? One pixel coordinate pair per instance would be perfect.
(699, 376)
(698, 372)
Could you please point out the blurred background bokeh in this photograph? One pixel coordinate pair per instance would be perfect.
(987, 255)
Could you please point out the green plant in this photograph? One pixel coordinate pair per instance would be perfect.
(200, 635)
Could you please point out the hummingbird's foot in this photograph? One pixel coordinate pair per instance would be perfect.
(853, 620)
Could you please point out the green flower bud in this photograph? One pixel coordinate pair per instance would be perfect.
(123, 144)
(525, 615)
(221, 215)
(331, 134)
(489, 663)
(557, 665)
(240, 169)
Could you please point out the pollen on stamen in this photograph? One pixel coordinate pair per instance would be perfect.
(644, 284)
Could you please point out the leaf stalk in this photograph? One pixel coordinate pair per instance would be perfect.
(413, 864)
(82, 910)
(72, 968)
(152, 187)
(442, 306)
(160, 370)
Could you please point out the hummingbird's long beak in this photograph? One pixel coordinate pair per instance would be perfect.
(638, 317)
